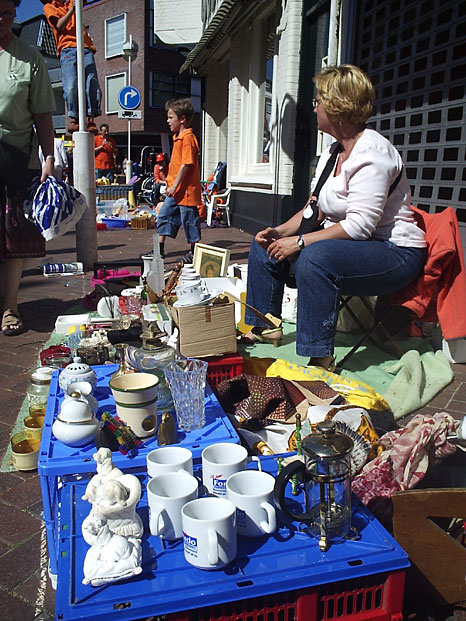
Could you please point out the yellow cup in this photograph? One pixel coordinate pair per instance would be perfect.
(33, 427)
(24, 452)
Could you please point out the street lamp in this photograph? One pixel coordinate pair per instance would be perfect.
(130, 51)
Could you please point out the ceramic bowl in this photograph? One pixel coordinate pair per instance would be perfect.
(75, 434)
(134, 388)
(24, 452)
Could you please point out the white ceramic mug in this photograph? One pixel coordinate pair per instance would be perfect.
(220, 461)
(209, 533)
(169, 459)
(191, 293)
(252, 494)
(167, 494)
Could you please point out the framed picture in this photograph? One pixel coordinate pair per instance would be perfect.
(210, 261)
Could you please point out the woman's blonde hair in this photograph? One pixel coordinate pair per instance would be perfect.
(346, 92)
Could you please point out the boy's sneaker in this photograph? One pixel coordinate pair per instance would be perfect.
(188, 258)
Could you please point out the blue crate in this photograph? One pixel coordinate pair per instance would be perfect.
(285, 561)
(59, 463)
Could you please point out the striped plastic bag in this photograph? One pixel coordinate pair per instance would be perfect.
(56, 208)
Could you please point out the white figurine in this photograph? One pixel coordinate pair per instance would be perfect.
(113, 528)
(111, 557)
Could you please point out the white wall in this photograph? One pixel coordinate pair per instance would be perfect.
(178, 21)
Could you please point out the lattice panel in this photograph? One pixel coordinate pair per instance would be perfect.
(415, 53)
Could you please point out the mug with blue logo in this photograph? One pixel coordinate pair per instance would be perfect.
(220, 461)
(209, 532)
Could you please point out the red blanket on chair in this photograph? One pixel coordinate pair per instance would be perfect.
(440, 292)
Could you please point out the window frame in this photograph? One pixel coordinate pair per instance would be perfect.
(170, 95)
(107, 20)
(107, 78)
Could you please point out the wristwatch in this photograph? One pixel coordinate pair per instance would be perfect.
(300, 242)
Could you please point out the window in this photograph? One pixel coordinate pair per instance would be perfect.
(113, 85)
(164, 87)
(115, 35)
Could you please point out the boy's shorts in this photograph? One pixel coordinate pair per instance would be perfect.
(172, 216)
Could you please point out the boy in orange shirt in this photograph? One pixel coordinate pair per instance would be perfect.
(183, 193)
(61, 16)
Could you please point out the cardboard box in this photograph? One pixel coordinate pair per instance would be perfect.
(206, 330)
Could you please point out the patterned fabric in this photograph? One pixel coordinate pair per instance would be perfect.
(19, 237)
(259, 400)
(56, 208)
(407, 454)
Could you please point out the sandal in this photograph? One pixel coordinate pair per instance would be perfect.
(262, 335)
(12, 323)
(325, 362)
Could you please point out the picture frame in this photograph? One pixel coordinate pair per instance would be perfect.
(210, 261)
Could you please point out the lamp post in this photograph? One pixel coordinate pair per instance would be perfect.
(83, 157)
(130, 51)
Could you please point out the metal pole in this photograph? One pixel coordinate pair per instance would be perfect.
(83, 159)
(129, 163)
(80, 60)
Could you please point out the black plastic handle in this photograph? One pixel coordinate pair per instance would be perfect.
(297, 468)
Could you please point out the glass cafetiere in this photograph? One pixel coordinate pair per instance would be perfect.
(326, 475)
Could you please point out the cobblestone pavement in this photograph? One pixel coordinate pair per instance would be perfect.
(25, 590)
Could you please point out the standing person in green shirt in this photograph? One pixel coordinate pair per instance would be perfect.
(26, 105)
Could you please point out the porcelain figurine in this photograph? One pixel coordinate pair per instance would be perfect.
(111, 557)
(113, 528)
(77, 371)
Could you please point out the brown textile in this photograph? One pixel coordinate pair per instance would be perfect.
(19, 237)
(259, 400)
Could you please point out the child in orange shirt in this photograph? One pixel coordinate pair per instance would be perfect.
(61, 16)
(183, 193)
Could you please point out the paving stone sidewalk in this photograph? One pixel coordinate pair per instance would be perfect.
(25, 590)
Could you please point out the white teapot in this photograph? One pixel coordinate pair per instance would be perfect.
(75, 425)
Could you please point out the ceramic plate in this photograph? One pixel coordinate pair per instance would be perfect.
(212, 295)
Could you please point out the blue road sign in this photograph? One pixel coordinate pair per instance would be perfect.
(129, 98)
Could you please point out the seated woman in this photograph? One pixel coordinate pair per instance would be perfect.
(368, 242)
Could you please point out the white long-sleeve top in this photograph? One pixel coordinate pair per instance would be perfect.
(358, 198)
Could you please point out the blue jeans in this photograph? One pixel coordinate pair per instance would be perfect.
(324, 271)
(69, 72)
(106, 173)
(171, 216)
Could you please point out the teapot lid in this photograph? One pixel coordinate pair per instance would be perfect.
(75, 410)
(326, 442)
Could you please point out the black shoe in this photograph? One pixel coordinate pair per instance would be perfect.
(188, 258)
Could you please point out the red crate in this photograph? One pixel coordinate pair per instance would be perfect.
(223, 367)
(370, 598)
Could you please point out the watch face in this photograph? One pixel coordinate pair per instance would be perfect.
(301, 243)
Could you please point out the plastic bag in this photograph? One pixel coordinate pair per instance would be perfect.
(290, 304)
(56, 208)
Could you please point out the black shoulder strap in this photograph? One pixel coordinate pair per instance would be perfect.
(327, 170)
(396, 182)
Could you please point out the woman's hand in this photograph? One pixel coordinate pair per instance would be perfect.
(48, 169)
(266, 237)
(283, 248)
